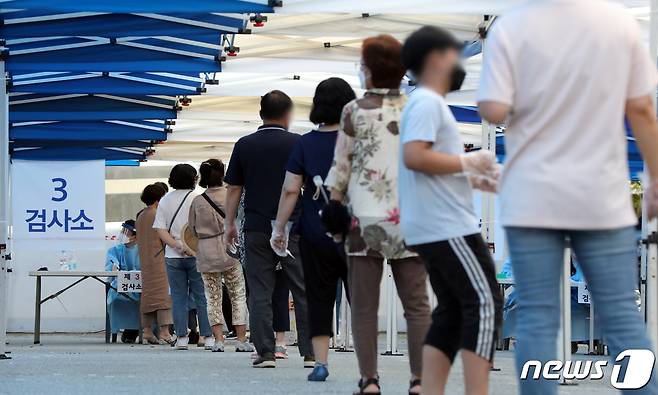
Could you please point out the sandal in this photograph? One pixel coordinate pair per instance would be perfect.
(151, 340)
(364, 384)
(171, 341)
(414, 383)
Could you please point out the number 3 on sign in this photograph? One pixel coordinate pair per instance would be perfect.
(61, 189)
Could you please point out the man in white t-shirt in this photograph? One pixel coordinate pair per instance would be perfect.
(564, 73)
(438, 220)
(184, 279)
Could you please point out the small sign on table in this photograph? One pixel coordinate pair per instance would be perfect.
(583, 293)
(129, 281)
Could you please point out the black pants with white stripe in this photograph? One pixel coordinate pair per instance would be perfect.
(469, 311)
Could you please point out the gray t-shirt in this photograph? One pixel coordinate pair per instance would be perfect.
(433, 207)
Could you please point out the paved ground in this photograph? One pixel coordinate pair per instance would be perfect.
(84, 364)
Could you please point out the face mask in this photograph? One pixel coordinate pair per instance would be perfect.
(362, 79)
(122, 239)
(457, 78)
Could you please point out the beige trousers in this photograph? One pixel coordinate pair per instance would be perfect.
(364, 278)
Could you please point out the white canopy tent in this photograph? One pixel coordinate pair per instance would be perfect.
(294, 51)
(291, 54)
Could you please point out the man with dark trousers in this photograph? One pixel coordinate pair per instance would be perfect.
(258, 166)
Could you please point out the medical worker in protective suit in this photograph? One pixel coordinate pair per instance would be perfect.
(123, 308)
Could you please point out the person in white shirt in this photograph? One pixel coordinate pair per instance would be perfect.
(563, 74)
(182, 274)
(438, 219)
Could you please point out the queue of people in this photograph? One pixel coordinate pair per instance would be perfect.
(384, 179)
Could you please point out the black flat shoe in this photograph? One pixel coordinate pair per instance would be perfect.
(194, 337)
(412, 384)
(364, 384)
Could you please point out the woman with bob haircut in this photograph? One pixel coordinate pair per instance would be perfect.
(323, 262)
(206, 220)
(170, 217)
(155, 304)
(364, 176)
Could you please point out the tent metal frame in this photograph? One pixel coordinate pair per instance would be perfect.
(61, 76)
(5, 220)
(130, 41)
(48, 98)
(155, 16)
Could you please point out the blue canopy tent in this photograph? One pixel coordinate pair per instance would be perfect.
(158, 6)
(88, 131)
(116, 42)
(201, 26)
(78, 107)
(91, 121)
(128, 54)
(53, 83)
(182, 42)
(84, 78)
(80, 153)
(80, 144)
(67, 140)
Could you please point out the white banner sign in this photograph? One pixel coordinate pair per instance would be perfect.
(58, 200)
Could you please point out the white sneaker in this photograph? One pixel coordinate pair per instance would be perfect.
(218, 347)
(244, 347)
(208, 342)
(182, 342)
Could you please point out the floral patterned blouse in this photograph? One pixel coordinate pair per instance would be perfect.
(365, 170)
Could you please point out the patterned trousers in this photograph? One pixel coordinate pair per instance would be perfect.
(234, 282)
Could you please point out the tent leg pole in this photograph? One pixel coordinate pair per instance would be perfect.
(564, 345)
(650, 229)
(488, 143)
(488, 215)
(649, 254)
(5, 254)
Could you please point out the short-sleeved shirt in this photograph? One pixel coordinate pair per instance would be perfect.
(567, 80)
(433, 207)
(258, 163)
(165, 213)
(312, 157)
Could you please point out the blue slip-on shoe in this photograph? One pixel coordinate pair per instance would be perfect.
(319, 373)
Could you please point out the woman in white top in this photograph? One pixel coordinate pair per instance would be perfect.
(170, 217)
